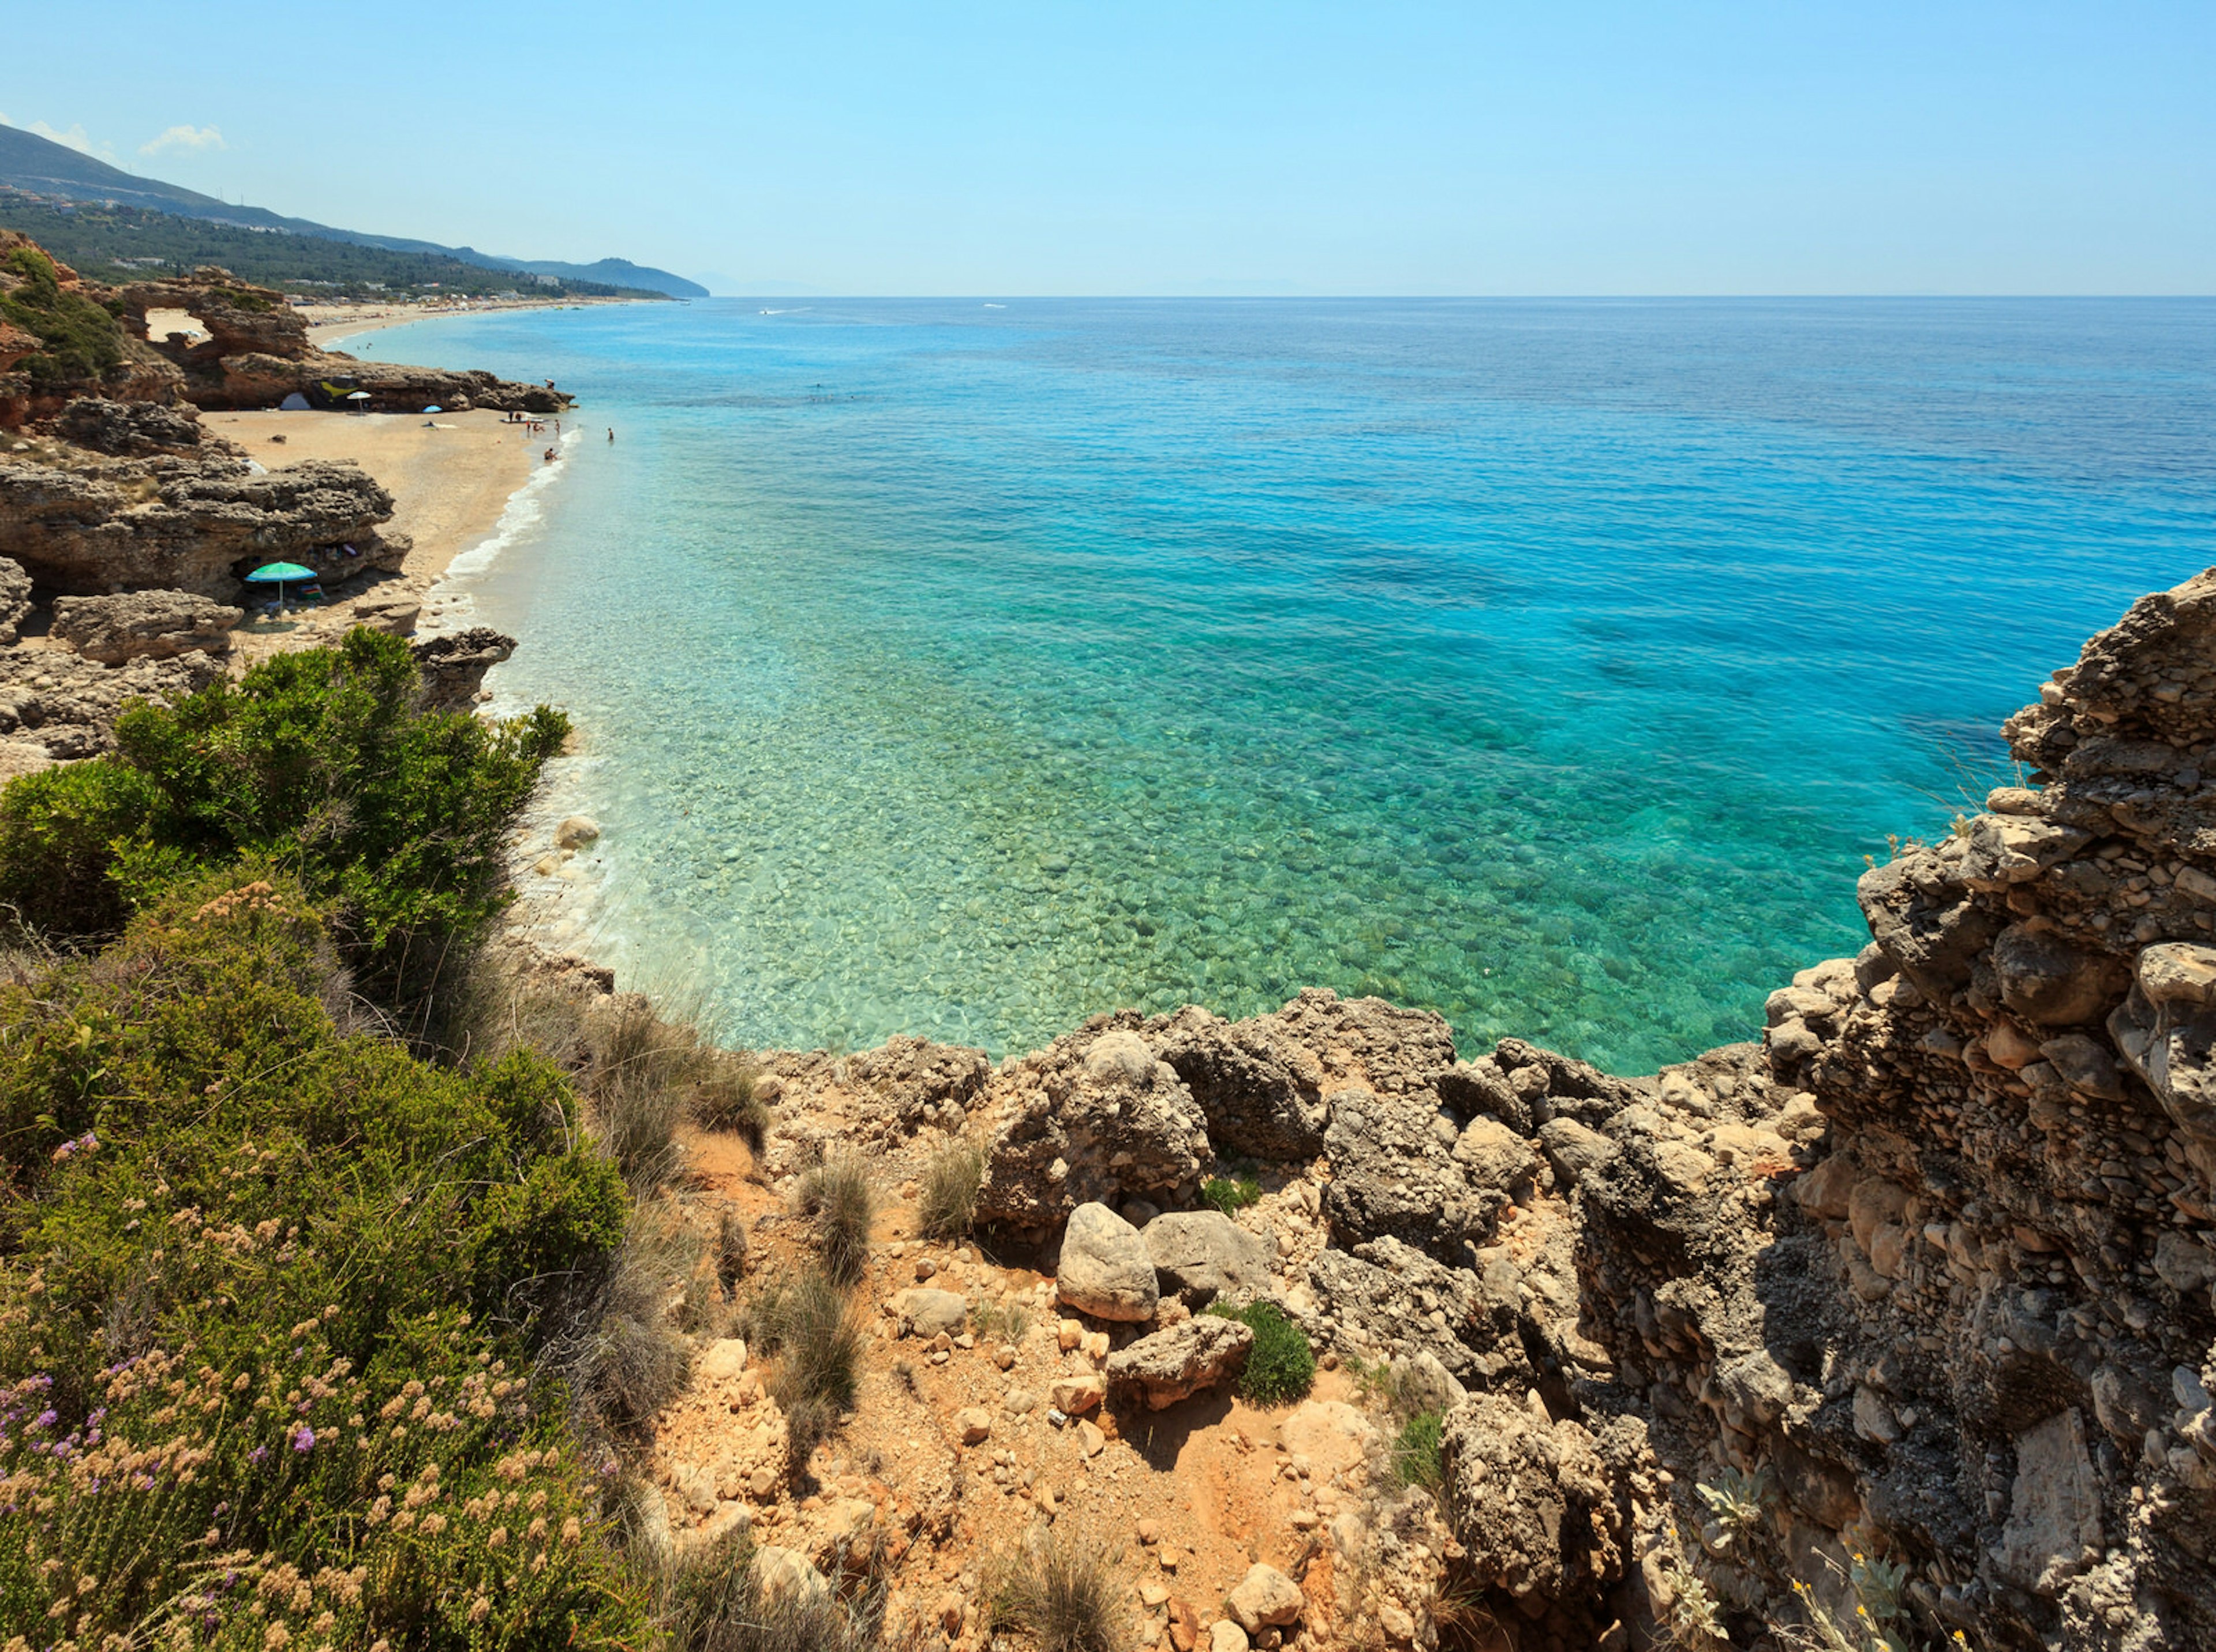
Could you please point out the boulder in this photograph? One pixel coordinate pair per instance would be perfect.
(1259, 1086)
(454, 668)
(14, 598)
(1202, 1254)
(1382, 1287)
(144, 625)
(1105, 1268)
(1496, 1159)
(1574, 1149)
(1530, 1501)
(1264, 1599)
(1174, 1364)
(576, 832)
(725, 1358)
(1331, 1436)
(394, 616)
(1094, 1118)
(2048, 981)
(973, 1425)
(782, 1571)
(1394, 1175)
(1075, 1395)
(2165, 1030)
(1931, 928)
(2053, 1529)
(927, 1313)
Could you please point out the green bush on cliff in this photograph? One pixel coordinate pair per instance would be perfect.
(80, 339)
(1281, 1367)
(319, 761)
(270, 1296)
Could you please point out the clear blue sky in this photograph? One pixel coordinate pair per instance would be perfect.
(1054, 148)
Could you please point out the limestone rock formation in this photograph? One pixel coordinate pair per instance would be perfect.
(454, 668)
(1178, 1362)
(1202, 1255)
(142, 625)
(135, 429)
(257, 351)
(1534, 1504)
(193, 523)
(14, 598)
(1104, 1269)
(63, 707)
(1093, 1118)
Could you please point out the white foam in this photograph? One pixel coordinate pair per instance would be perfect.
(522, 518)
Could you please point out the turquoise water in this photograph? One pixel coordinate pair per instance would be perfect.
(964, 671)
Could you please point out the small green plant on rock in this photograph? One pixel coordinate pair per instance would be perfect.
(1420, 1452)
(1230, 1194)
(1282, 1367)
(1740, 1505)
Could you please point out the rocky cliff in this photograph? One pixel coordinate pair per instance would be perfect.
(1894, 1330)
(257, 351)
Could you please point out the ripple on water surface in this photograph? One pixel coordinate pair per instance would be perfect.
(965, 673)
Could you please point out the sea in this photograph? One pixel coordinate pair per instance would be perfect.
(967, 668)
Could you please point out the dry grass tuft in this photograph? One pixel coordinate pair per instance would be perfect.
(836, 1196)
(814, 1331)
(723, 1098)
(718, 1600)
(1061, 1592)
(621, 1357)
(946, 1206)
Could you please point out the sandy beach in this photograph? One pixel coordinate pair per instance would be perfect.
(450, 478)
(327, 323)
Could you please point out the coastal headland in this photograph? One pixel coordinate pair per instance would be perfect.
(1307, 1329)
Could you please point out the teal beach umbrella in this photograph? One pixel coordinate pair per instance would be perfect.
(280, 574)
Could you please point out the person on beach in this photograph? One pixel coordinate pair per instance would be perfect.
(611, 433)
(550, 456)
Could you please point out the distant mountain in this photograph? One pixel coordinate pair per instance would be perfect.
(31, 163)
(610, 272)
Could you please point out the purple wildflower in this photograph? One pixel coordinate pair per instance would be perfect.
(303, 1439)
(47, 1418)
(257, 1454)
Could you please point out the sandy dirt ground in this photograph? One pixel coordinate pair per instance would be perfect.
(451, 477)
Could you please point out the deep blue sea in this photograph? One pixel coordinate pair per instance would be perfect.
(964, 669)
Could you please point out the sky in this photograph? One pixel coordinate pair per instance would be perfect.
(1048, 147)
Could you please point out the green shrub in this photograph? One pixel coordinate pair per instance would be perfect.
(836, 1197)
(80, 339)
(1001, 1322)
(946, 1208)
(1061, 1591)
(1420, 1452)
(306, 1266)
(318, 761)
(1281, 1368)
(61, 833)
(1227, 1195)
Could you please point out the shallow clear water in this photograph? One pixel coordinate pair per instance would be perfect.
(964, 671)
